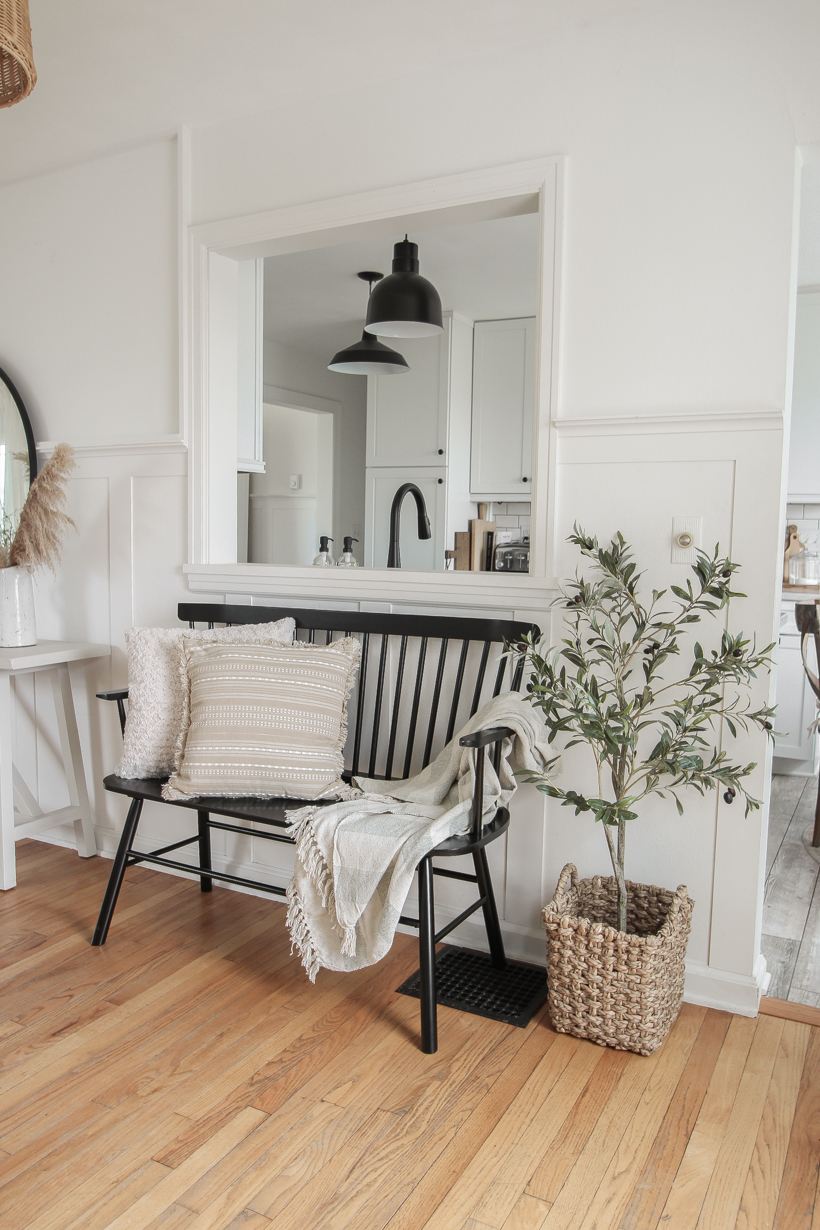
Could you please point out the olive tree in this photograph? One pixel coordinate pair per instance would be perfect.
(611, 686)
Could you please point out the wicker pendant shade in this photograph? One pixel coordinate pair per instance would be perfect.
(18, 75)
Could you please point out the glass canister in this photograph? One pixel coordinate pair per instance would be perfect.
(804, 568)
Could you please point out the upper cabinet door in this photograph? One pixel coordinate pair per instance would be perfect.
(407, 414)
(503, 405)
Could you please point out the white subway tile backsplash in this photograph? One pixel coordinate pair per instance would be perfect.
(521, 508)
(806, 526)
(793, 511)
(507, 523)
(810, 511)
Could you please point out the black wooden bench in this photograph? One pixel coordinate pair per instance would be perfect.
(421, 678)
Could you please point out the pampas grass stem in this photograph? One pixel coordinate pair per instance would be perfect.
(39, 539)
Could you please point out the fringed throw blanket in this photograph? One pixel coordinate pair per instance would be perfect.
(356, 859)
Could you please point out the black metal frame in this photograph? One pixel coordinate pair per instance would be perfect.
(26, 421)
(271, 812)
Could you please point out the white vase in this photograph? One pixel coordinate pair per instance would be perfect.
(17, 621)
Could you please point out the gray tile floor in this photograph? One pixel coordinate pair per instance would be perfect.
(791, 906)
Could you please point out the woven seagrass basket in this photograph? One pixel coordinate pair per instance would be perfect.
(618, 988)
(18, 75)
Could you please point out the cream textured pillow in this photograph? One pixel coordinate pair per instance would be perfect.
(157, 687)
(266, 721)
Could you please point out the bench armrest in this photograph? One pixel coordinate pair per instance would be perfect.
(120, 695)
(480, 740)
(483, 738)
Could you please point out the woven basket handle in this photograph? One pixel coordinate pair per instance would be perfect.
(568, 876)
(678, 901)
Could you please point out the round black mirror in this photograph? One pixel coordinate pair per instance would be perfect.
(18, 457)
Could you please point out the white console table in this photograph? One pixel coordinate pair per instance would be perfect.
(20, 812)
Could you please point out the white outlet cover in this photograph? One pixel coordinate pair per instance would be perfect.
(686, 525)
(295, 482)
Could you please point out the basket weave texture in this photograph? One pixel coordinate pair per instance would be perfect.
(18, 75)
(618, 988)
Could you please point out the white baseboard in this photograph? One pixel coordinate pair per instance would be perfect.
(714, 988)
(710, 988)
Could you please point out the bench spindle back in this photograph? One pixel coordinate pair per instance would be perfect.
(396, 720)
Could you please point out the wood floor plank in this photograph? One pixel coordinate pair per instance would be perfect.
(759, 1200)
(462, 1197)
(790, 1011)
(316, 1107)
(175, 1182)
(607, 1206)
(40, 1069)
(806, 973)
(781, 958)
(573, 1200)
(549, 1175)
(383, 1176)
(688, 1192)
(653, 1184)
(516, 1167)
(722, 1202)
(789, 892)
(787, 789)
(515, 1068)
(798, 1190)
(528, 1214)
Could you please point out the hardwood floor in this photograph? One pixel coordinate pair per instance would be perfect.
(187, 1075)
(791, 906)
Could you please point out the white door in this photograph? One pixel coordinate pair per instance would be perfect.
(503, 406)
(382, 485)
(407, 414)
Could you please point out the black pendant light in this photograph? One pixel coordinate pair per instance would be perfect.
(404, 304)
(368, 357)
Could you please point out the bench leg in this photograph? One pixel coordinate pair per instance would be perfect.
(112, 892)
(205, 882)
(485, 887)
(427, 958)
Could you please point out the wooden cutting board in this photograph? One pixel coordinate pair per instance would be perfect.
(479, 528)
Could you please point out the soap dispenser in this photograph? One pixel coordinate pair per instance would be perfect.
(324, 559)
(347, 559)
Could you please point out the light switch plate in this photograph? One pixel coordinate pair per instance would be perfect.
(686, 525)
(295, 482)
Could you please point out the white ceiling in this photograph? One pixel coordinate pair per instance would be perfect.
(486, 270)
(117, 71)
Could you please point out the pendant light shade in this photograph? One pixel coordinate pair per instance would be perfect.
(368, 358)
(404, 304)
(18, 75)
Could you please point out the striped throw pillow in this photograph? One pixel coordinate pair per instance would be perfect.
(265, 721)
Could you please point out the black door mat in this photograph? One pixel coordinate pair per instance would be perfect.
(467, 980)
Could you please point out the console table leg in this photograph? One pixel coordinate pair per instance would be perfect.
(73, 760)
(8, 873)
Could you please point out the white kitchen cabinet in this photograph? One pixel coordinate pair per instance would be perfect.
(503, 406)
(408, 416)
(795, 749)
(382, 485)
